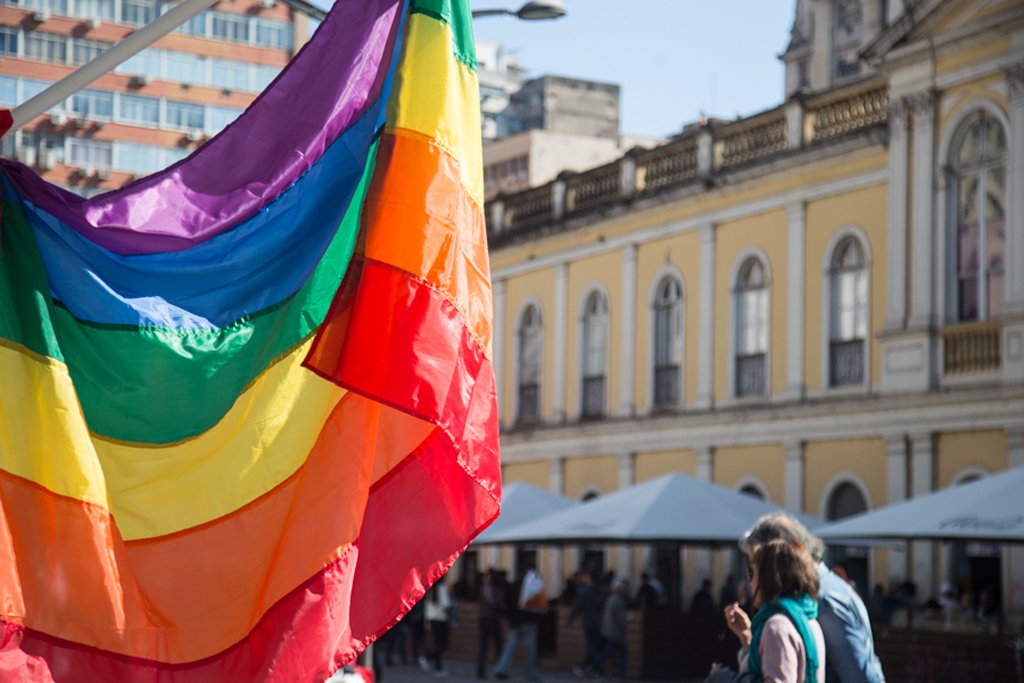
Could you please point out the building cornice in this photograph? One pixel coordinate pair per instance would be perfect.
(874, 416)
(726, 214)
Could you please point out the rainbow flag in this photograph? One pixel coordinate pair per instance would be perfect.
(247, 406)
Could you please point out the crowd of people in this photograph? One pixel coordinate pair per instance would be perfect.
(794, 619)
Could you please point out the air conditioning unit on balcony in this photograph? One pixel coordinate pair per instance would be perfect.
(93, 23)
(268, 4)
(195, 136)
(47, 160)
(87, 171)
(26, 155)
(41, 16)
(138, 81)
(59, 118)
(103, 174)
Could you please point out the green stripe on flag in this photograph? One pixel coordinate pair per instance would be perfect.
(158, 385)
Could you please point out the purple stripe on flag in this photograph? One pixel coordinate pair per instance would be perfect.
(252, 161)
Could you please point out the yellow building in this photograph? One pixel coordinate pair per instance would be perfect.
(811, 304)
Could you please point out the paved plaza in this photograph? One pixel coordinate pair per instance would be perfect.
(465, 672)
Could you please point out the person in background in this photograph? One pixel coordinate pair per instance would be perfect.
(589, 606)
(729, 593)
(525, 619)
(436, 611)
(842, 615)
(703, 602)
(492, 606)
(783, 643)
(652, 593)
(418, 632)
(613, 630)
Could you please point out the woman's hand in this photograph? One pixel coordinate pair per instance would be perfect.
(738, 622)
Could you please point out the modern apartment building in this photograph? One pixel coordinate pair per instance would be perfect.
(155, 108)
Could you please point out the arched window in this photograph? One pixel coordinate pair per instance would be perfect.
(530, 346)
(845, 501)
(751, 328)
(848, 313)
(849, 17)
(668, 353)
(976, 567)
(752, 491)
(978, 171)
(595, 354)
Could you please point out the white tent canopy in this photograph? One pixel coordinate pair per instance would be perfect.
(674, 507)
(521, 503)
(989, 509)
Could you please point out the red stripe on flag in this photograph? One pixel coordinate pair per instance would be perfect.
(400, 341)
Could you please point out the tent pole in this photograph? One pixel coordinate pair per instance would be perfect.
(107, 61)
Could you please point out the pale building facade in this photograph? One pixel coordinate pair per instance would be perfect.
(822, 304)
(535, 157)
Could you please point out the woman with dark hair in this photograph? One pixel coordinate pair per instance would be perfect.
(783, 643)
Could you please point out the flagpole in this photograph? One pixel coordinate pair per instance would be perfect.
(107, 61)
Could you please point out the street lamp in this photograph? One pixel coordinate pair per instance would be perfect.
(532, 11)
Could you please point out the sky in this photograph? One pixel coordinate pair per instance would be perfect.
(673, 58)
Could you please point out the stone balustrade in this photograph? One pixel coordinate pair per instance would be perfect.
(973, 347)
(695, 159)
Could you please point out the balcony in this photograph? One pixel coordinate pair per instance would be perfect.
(750, 375)
(593, 397)
(846, 363)
(666, 387)
(529, 404)
(971, 348)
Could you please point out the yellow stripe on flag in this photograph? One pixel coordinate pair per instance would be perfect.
(438, 97)
(157, 490)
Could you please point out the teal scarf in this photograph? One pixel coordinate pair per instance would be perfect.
(800, 611)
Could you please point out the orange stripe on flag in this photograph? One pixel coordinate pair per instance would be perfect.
(215, 581)
(417, 184)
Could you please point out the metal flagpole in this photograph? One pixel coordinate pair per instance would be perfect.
(107, 61)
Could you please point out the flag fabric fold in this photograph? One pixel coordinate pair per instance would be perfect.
(248, 411)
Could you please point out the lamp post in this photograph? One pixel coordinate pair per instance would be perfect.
(535, 10)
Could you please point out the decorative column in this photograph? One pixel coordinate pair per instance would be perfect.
(498, 343)
(896, 492)
(627, 332)
(922, 294)
(821, 45)
(794, 110)
(627, 478)
(556, 484)
(794, 475)
(1013, 553)
(909, 347)
(795, 304)
(706, 314)
(561, 316)
(705, 152)
(1013, 327)
(896, 242)
(1015, 180)
(922, 481)
(704, 472)
(1015, 445)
